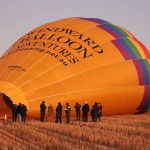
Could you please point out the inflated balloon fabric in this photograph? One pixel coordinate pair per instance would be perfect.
(77, 60)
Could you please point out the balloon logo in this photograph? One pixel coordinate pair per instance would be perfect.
(77, 60)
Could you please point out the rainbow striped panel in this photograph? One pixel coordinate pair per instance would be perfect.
(145, 104)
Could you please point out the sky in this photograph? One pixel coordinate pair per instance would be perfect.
(17, 17)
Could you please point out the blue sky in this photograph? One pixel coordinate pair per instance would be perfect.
(17, 17)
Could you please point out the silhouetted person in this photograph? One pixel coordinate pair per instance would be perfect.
(19, 111)
(67, 112)
(92, 113)
(23, 114)
(50, 112)
(85, 110)
(77, 108)
(99, 111)
(42, 111)
(14, 113)
(95, 111)
(59, 113)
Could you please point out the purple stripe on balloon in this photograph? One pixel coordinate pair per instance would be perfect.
(96, 20)
(145, 100)
(110, 31)
(122, 50)
(115, 29)
(139, 71)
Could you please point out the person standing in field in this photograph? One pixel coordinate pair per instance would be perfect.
(14, 113)
(50, 113)
(77, 109)
(85, 110)
(42, 111)
(19, 111)
(67, 112)
(59, 113)
(99, 111)
(23, 114)
(92, 113)
(95, 112)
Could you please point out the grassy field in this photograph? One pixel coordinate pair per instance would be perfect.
(119, 132)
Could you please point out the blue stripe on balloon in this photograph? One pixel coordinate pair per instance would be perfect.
(142, 68)
(145, 72)
(127, 48)
(145, 104)
(115, 29)
(96, 20)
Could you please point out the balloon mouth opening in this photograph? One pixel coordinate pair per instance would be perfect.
(8, 101)
(6, 104)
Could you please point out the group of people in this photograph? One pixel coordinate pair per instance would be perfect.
(19, 111)
(96, 112)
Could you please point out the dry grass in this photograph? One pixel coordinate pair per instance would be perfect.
(125, 133)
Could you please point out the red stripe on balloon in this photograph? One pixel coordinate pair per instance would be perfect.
(146, 52)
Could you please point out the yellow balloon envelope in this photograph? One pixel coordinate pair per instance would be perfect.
(76, 60)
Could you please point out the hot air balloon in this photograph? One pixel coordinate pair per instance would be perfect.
(77, 60)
